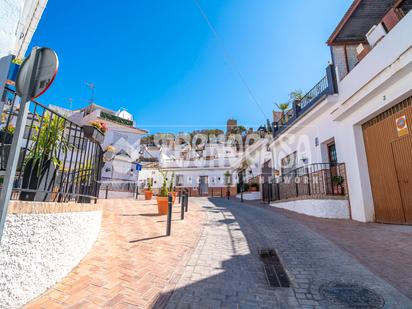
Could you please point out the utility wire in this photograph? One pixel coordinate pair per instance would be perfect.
(229, 59)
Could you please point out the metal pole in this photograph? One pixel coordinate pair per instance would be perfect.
(107, 191)
(228, 193)
(17, 140)
(182, 209)
(186, 203)
(169, 215)
(241, 192)
(180, 195)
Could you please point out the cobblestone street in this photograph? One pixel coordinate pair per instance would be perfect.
(225, 270)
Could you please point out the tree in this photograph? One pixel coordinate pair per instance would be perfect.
(296, 95)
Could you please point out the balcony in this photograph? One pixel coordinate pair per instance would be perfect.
(319, 180)
(326, 86)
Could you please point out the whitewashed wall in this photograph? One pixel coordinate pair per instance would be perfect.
(38, 250)
(10, 14)
(317, 124)
(382, 79)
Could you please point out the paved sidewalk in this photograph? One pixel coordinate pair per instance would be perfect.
(132, 263)
(226, 272)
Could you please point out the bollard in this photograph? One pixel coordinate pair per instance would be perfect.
(228, 194)
(186, 203)
(182, 209)
(180, 195)
(169, 215)
(107, 191)
(268, 194)
(221, 192)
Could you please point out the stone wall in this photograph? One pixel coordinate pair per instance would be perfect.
(41, 244)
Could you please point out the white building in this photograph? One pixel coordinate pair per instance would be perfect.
(202, 170)
(359, 119)
(120, 167)
(18, 22)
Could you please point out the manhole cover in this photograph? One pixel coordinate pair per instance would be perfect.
(351, 295)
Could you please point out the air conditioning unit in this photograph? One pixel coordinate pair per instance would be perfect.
(375, 34)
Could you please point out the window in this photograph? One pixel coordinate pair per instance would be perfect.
(289, 163)
(179, 180)
(332, 153)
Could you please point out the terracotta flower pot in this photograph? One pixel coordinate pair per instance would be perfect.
(148, 194)
(162, 205)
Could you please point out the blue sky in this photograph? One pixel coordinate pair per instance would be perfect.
(160, 60)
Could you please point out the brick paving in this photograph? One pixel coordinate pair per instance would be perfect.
(384, 249)
(225, 270)
(131, 263)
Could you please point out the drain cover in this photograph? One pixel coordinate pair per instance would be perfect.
(351, 295)
(274, 270)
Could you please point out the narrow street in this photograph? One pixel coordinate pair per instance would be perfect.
(212, 261)
(225, 270)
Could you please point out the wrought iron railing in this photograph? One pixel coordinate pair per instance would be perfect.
(57, 161)
(326, 86)
(315, 93)
(319, 179)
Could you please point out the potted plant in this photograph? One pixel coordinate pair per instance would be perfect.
(83, 179)
(254, 187)
(148, 193)
(6, 137)
(95, 131)
(163, 198)
(171, 188)
(6, 134)
(338, 185)
(42, 162)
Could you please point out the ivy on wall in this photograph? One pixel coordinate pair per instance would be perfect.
(114, 118)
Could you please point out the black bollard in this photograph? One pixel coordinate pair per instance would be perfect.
(107, 191)
(169, 215)
(182, 209)
(180, 195)
(186, 203)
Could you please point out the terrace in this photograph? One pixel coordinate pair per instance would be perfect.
(325, 87)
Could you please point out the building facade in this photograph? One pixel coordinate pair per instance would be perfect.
(363, 121)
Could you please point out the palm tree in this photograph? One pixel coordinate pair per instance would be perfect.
(283, 108)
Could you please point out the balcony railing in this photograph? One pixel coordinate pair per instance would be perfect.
(57, 162)
(326, 86)
(314, 180)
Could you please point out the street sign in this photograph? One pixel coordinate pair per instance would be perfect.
(45, 70)
(402, 126)
(35, 76)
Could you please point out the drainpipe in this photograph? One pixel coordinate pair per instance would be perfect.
(332, 82)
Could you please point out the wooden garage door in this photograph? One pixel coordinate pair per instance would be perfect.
(390, 164)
